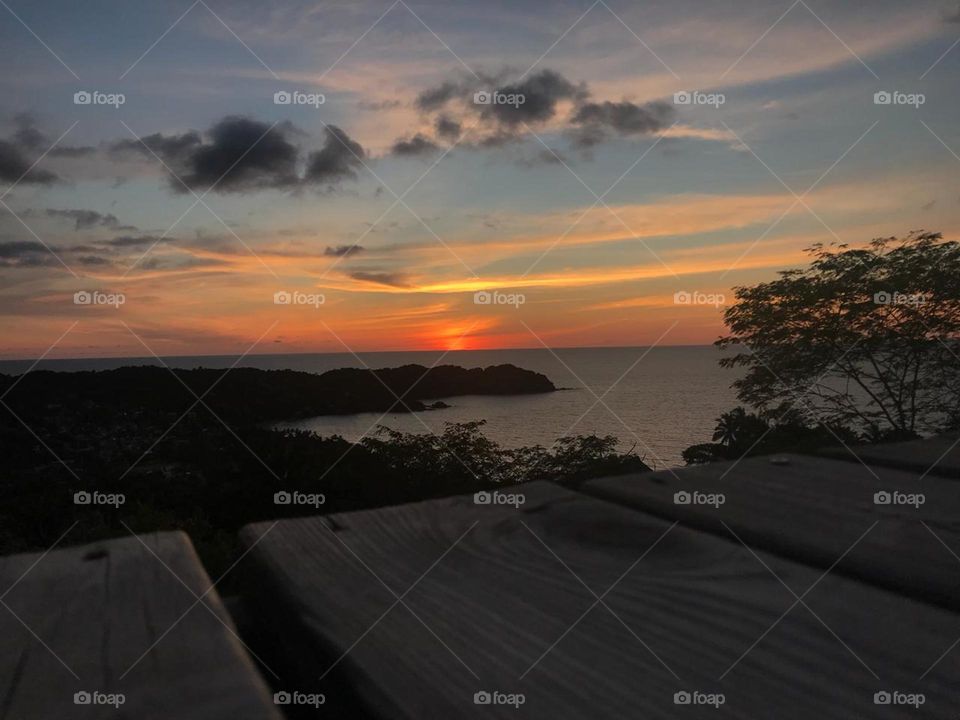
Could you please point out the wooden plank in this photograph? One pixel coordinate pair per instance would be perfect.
(493, 609)
(938, 455)
(110, 618)
(811, 509)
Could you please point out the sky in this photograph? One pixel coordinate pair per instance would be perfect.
(213, 177)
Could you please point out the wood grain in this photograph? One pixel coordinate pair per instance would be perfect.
(485, 611)
(811, 509)
(78, 619)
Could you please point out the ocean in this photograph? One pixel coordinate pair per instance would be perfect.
(656, 401)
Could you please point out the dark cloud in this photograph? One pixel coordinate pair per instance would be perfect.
(27, 134)
(119, 243)
(30, 253)
(15, 166)
(29, 137)
(382, 278)
(540, 93)
(238, 155)
(342, 250)
(181, 262)
(25, 253)
(625, 117)
(532, 100)
(419, 144)
(168, 147)
(499, 139)
(241, 155)
(436, 97)
(447, 127)
(19, 248)
(85, 219)
(72, 151)
(125, 241)
(596, 121)
(339, 158)
(93, 261)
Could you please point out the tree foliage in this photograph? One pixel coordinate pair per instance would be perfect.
(741, 433)
(862, 338)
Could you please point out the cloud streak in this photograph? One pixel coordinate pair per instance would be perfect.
(86, 219)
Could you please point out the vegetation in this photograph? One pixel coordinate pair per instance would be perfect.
(200, 472)
(860, 346)
(740, 433)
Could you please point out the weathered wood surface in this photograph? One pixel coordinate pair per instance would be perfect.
(937, 455)
(489, 598)
(98, 618)
(811, 510)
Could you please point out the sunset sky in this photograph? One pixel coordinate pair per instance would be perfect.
(399, 197)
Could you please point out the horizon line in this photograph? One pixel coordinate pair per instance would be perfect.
(358, 352)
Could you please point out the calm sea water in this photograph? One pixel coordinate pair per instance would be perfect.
(657, 401)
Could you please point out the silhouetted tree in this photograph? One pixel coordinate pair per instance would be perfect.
(864, 338)
(737, 427)
(860, 345)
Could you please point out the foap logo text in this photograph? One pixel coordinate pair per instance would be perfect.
(95, 697)
(499, 498)
(885, 297)
(696, 697)
(296, 97)
(95, 97)
(286, 697)
(895, 97)
(896, 697)
(495, 697)
(495, 297)
(284, 497)
(495, 97)
(695, 297)
(85, 497)
(284, 297)
(695, 497)
(895, 497)
(696, 97)
(98, 297)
